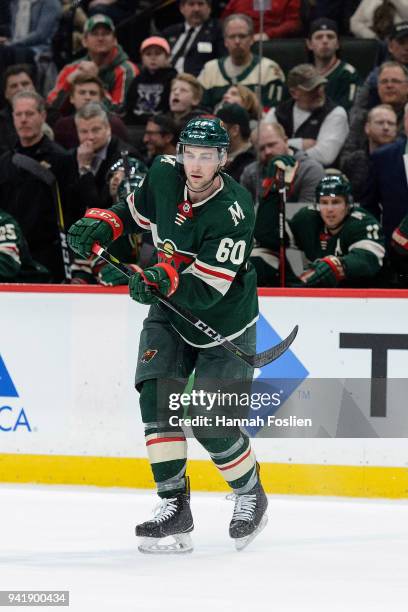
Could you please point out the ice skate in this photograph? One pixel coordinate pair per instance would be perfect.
(249, 517)
(172, 523)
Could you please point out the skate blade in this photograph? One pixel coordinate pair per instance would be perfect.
(152, 546)
(241, 543)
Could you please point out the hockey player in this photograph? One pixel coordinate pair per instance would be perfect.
(202, 224)
(343, 243)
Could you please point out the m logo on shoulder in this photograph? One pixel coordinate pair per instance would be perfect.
(236, 213)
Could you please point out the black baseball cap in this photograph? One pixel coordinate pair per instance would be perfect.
(235, 114)
(324, 23)
(399, 31)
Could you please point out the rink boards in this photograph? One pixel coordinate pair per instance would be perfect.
(69, 412)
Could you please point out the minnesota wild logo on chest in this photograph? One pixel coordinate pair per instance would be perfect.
(168, 252)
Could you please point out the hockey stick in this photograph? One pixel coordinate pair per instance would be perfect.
(282, 222)
(257, 361)
(46, 176)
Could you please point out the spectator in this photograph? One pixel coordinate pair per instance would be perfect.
(392, 90)
(242, 95)
(160, 137)
(185, 96)
(23, 194)
(105, 58)
(33, 25)
(240, 152)
(386, 193)
(16, 263)
(397, 47)
(313, 123)
(91, 160)
(281, 21)
(85, 89)
(149, 92)
(342, 78)
(380, 128)
(16, 78)
(196, 41)
(376, 18)
(272, 141)
(241, 66)
(344, 244)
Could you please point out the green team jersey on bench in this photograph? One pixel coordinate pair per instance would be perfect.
(209, 244)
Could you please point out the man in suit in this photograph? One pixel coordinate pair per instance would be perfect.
(386, 194)
(197, 40)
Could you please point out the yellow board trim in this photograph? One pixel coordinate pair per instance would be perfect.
(279, 478)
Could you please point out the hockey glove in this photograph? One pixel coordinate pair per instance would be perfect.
(98, 225)
(111, 277)
(280, 169)
(162, 277)
(326, 272)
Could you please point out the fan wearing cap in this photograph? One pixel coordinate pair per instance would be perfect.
(105, 58)
(344, 244)
(342, 78)
(202, 224)
(397, 51)
(312, 122)
(149, 92)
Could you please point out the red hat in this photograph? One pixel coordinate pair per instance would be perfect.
(158, 41)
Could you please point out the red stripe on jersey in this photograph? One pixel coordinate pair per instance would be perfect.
(214, 273)
(157, 440)
(228, 467)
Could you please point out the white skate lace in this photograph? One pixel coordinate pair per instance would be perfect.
(244, 506)
(165, 510)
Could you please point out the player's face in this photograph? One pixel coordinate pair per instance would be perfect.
(270, 145)
(200, 165)
(333, 210)
(232, 96)
(381, 128)
(182, 98)
(393, 86)
(195, 12)
(16, 83)
(238, 40)
(100, 40)
(323, 44)
(154, 57)
(115, 180)
(28, 121)
(95, 131)
(87, 92)
(399, 50)
(309, 100)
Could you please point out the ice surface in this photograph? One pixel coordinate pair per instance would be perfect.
(317, 554)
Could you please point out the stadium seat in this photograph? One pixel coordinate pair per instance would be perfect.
(362, 53)
(287, 52)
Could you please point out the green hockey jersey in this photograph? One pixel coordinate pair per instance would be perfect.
(342, 83)
(215, 80)
(359, 244)
(16, 263)
(208, 242)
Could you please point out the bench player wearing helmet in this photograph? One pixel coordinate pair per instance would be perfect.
(343, 243)
(202, 225)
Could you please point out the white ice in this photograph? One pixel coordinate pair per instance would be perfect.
(317, 554)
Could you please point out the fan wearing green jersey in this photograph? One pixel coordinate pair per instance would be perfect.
(202, 225)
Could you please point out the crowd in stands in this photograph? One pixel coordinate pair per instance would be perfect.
(93, 91)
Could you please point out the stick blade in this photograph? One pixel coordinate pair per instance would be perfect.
(262, 359)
